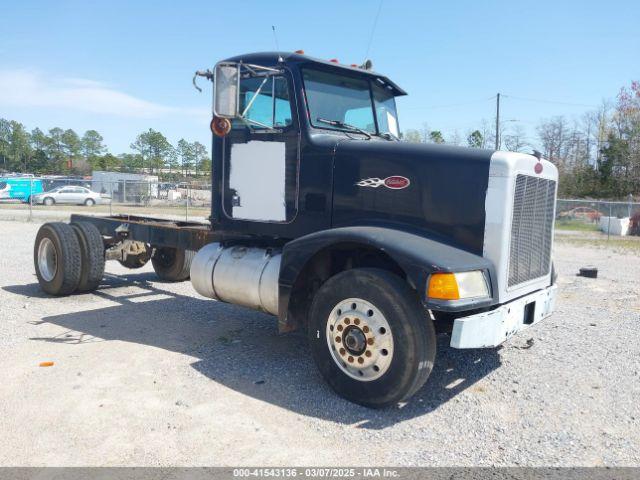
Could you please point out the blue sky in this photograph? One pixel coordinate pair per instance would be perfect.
(122, 67)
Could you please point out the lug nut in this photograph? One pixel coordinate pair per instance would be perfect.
(350, 359)
(347, 321)
(360, 360)
(365, 329)
(338, 339)
(367, 353)
(342, 351)
(340, 327)
(357, 321)
(370, 341)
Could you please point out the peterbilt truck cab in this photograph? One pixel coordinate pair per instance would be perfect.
(324, 218)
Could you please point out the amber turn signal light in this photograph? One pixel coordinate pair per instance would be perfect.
(443, 286)
(220, 126)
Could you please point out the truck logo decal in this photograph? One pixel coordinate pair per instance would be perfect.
(395, 182)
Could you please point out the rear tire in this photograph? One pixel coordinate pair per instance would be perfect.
(392, 355)
(172, 264)
(89, 202)
(92, 254)
(57, 258)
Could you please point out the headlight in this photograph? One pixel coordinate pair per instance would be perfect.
(457, 286)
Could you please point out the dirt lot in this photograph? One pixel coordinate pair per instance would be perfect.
(147, 373)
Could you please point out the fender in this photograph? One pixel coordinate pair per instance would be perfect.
(417, 256)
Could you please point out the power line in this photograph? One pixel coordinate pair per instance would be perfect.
(373, 29)
(451, 105)
(538, 100)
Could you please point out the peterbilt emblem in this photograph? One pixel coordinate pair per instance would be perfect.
(395, 182)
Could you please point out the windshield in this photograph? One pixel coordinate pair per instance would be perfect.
(348, 100)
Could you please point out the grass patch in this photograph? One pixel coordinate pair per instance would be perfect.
(575, 225)
(617, 244)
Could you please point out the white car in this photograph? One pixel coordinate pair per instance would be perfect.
(70, 194)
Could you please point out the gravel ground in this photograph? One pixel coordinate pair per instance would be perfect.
(148, 373)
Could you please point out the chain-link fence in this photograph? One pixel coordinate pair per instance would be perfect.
(110, 193)
(33, 197)
(612, 218)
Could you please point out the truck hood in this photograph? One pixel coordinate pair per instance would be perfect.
(435, 190)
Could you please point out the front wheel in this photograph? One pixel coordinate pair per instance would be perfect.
(49, 201)
(89, 202)
(370, 337)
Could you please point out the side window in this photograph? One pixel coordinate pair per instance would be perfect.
(265, 102)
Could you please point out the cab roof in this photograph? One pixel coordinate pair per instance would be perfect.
(268, 59)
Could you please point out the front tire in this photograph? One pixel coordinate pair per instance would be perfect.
(57, 259)
(89, 202)
(172, 264)
(48, 202)
(370, 337)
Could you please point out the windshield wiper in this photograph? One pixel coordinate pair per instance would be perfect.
(338, 123)
(389, 136)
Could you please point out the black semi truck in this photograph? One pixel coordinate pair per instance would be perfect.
(322, 217)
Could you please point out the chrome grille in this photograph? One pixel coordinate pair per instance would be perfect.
(531, 229)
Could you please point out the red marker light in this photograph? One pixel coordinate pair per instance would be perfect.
(334, 60)
(301, 52)
(538, 167)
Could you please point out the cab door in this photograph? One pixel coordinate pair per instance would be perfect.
(261, 154)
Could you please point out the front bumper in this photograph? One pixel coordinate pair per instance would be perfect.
(490, 329)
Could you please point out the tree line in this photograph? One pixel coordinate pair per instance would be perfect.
(65, 152)
(597, 153)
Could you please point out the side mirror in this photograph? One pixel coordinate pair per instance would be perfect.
(226, 90)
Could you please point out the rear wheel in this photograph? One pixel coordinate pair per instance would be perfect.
(172, 264)
(57, 258)
(89, 202)
(92, 254)
(370, 337)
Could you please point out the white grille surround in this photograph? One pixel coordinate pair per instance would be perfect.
(519, 214)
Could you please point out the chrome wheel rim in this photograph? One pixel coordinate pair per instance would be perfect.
(360, 340)
(47, 259)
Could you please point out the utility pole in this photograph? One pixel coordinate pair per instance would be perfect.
(498, 121)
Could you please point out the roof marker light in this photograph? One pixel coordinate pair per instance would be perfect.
(334, 60)
(300, 52)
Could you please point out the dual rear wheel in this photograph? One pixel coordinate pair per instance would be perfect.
(70, 258)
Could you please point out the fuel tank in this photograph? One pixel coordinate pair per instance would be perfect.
(435, 190)
(246, 276)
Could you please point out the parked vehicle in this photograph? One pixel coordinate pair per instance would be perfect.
(69, 195)
(323, 218)
(582, 213)
(19, 188)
